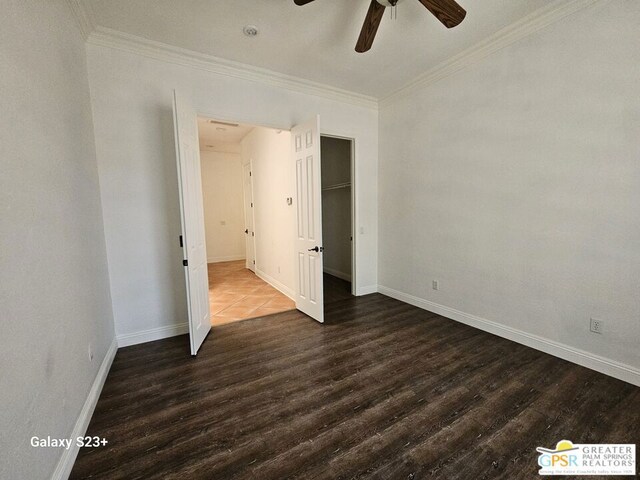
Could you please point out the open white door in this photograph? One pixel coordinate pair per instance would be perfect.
(306, 154)
(191, 210)
(249, 233)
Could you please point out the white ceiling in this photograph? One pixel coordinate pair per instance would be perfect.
(220, 138)
(316, 41)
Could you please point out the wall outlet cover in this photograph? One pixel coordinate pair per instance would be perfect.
(596, 325)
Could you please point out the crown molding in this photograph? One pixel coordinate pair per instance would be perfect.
(106, 37)
(84, 17)
(508, 35)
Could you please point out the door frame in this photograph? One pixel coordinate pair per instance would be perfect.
(233, 118)
(352, 161)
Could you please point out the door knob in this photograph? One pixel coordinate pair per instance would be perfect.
(246, 230)
(316, 249)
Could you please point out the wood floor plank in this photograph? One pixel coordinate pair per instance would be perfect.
(382, 390)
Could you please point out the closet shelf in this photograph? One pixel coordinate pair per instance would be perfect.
(337, 186)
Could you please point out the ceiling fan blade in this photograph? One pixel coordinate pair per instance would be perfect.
(302, 2)
(370, 26)
(447, 11)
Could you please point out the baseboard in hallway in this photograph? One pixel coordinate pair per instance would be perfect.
(229, 258)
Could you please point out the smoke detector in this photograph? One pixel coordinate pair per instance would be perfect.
(250, 30)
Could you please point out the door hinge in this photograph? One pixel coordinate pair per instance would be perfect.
(249, 173)
(185, 263)
(254, 262)
(251, 204)
(253, 234)
(181, 244)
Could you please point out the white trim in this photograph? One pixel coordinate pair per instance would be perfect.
(367, 290)
(228, 258)
(336, 273)
(68, 458)
(84, 17)
(504, 37)
(600, 364)
(276, 284)
(107, 37)
(152, 334)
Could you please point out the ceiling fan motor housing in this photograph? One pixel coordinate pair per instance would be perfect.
(388, 3)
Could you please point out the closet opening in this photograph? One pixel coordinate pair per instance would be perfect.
(337, 217)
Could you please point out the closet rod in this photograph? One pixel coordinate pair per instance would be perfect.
(337, 186)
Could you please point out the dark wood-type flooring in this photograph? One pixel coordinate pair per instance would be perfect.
(382, 390)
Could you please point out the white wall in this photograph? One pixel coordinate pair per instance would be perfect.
(274, 220)
(54, 288)
(516, 183)
(336, 207)
(132, 97)
(223, 205)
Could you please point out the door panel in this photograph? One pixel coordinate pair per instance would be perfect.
(192, 215)
(247, 181)
(306, 154)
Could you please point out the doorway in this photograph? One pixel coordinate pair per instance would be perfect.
(337, 217)
(238, 289)
(283, 165)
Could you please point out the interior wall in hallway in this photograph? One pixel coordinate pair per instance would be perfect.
(223, 205)
(274, 220)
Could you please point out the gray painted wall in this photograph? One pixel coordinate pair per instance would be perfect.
(516, 183)
(54, 288)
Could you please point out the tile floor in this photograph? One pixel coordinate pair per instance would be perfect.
(236, 293)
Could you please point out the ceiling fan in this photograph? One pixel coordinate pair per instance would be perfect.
(447, 11)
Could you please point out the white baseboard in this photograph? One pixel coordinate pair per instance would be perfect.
(338, 274)
(68, 458)
(276, 284)
(600, 364)
(152, 334)
(367, 290)
(228, 258)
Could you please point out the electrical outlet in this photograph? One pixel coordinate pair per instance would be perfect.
(90, 353)
(597, 325)
(435, 284)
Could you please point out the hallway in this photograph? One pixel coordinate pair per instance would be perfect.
(236, 293)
